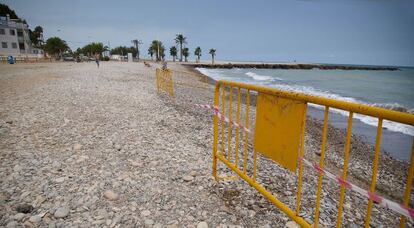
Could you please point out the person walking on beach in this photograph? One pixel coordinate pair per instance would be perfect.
(164, 64)
(97, 59)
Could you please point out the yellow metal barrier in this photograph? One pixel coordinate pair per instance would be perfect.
(281, 115)
(165, 81)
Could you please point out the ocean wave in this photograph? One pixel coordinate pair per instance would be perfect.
(259, 77)
(389, 125)
(395, 107)
(263, 80)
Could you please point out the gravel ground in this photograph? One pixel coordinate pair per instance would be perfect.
(88, 147)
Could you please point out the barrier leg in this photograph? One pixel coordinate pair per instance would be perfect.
(409, 185)
(215, 129)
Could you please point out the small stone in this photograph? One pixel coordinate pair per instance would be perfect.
(193, 173)
(202, 225)
(188, 178)
(35, 219)
(149, 222)
(61, 212)
(60, 180)
(118, 147)
(77, 146)
(111, 195)
(145, 213)
(24, 208)
(19, 216)
(291, 224)
(11, 224)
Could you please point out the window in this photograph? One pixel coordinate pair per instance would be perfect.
(12, 32)
(2, 32)
(4, 44)
(14, 45)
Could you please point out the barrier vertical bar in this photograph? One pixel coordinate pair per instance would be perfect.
(246, 135)
(345, 170)
(223, 103)
(374, 171)
(408, 187)
(301, 154)
(322, 165)
(230, 118)
(237, 129)
(215, 130)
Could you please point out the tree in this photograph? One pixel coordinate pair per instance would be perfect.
(136, 44)
(93, 48)
(123, 50)
(173, 52)
(56, 46)
(36, 36)
(212, 52)
(197, 52)
(158, 49)
(180, 39)
(151, 52)
(4, 10)
(186, 53)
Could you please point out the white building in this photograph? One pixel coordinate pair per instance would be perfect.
(15, 40)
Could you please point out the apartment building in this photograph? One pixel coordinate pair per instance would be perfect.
(15, 39)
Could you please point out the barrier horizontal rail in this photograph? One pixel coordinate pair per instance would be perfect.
(288, 109)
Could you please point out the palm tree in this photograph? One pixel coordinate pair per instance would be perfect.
(180, 39)
(186, 53)
(151, 52)
(158, 49)
(136, 45)
(197, 52)
(212, 52)
(173, 52)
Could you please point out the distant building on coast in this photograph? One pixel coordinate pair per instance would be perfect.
(15, 39)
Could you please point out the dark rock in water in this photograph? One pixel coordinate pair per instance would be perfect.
(24, 208)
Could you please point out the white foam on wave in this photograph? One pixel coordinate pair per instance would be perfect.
(215, 74)
(259, 77)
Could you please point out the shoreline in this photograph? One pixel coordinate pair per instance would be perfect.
(399, 151)
(297, 66)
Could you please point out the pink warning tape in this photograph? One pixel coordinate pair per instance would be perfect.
(396, 207)
(222, 117)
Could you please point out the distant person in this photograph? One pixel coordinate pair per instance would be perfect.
(164, 65)
(97, 59)
(10, 59)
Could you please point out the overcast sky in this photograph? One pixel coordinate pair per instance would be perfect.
(377, 32)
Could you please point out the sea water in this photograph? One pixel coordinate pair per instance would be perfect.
(387, 89)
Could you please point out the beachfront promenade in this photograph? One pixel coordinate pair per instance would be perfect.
(88, 146)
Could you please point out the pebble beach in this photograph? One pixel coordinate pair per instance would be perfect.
(82, 146)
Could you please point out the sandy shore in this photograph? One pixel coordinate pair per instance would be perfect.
(88, 147)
